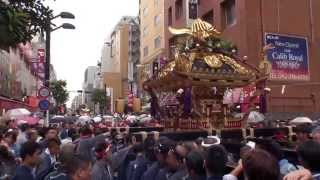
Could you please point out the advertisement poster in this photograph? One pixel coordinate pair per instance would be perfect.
(289, 58)
(41, 64)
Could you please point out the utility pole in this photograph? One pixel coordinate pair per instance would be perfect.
(47, 66)
(48, 30)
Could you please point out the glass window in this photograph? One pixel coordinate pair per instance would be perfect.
(179, 8)
(145, 11)
(170, 16)
(157, 42)
(229, 10)
(145, 31)
(193, 9)
(156, 20)
(113, 48)
(145, 51)
(156, 2)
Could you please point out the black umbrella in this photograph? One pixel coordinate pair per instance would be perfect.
(71, 118)
(57, 119)
(62, 119)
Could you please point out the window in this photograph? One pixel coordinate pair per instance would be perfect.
(208, 17)
(156, 2)
(145, 11)
(156, 20)
(179, 8)
(145, 31)
(157, 42)
(170, 16)
(145, 51)
(112, 48)
(229, 12)
(193, 9)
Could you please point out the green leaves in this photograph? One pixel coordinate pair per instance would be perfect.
(59, 91)
(98, 96)
(20, 20)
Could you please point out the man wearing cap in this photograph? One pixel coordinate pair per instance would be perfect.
(210, 141)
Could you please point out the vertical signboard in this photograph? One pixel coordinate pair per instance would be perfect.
(193, 9)
(41, 63)
(289, 57)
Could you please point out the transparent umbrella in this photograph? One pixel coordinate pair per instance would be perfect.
(83, 119)
(20, 112)
(301, 120)
(255, 117)
(97, 119)
(28, 119)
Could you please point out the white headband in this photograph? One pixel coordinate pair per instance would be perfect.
(211, 137)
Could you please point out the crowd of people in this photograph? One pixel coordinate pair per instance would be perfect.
(71, 152)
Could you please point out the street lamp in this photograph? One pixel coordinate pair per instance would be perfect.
(64, 26)
(48, 30)
(64, 15)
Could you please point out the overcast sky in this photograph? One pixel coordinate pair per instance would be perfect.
(74, 50)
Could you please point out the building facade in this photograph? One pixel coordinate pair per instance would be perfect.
(90, 76)
(134, 56)
(76, 102)
(120, 55)
(20, 75)
(153, 29)
(249, 24)
(263, 20)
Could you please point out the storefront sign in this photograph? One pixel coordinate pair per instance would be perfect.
(289, 58)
